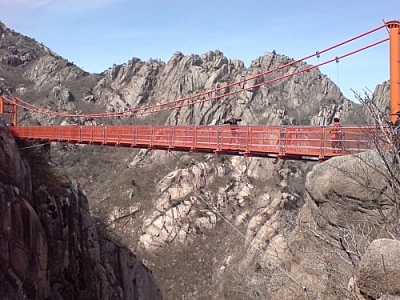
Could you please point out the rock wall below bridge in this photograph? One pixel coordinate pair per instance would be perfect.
(50, 247)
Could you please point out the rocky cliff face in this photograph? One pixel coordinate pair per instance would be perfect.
(50, 245)
(208, 226)
(345, 244)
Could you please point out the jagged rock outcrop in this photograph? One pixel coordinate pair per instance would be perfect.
(337, 249)
(297, 100)
(51, 248)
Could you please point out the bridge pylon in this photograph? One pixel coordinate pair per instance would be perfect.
(394, 35)
(9, 107)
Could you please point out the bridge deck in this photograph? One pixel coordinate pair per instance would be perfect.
(296, 142)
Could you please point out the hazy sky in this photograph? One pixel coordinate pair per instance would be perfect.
(95, 34)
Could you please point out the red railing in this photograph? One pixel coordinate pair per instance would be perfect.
(298, 142)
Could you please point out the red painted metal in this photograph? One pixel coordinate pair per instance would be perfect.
(2, 100)
(300, 142)
(296, 142)
(8, 109)
(394, 33)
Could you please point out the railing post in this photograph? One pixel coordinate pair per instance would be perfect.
(172, 137)
(194, 146)
(92, 134)
(118, 135)
(282, 142)
(323, 144)
(219, 140)
(248, 140)
(151, 140)
(134, 135)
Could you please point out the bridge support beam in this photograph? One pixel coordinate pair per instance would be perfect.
(394, 34)
(10, 108)
(1, 105)
(14, 110)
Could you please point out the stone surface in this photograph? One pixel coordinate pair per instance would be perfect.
(50, 246)
(379, 270)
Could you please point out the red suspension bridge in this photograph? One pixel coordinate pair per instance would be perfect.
(295, 142)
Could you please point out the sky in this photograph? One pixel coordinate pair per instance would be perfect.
(95, 34)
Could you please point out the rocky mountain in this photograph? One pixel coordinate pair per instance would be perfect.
(209, 226)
